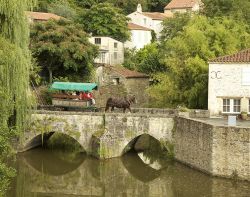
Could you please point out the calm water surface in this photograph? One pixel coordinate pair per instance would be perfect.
(46, 173)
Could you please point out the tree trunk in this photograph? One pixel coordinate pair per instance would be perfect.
(50, 75)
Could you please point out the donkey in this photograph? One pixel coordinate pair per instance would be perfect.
(120, 103)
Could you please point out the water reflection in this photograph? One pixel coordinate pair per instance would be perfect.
(53, 163)
(138, 169)
(47, 173)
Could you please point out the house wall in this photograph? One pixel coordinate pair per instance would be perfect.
(179, 10)
(108, 54)
(225, 81)
(126, 86)
(140, 19)
(139, 38)
(195, 8)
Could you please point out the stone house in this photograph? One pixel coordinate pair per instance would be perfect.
(229, 84)
(140, 36)
(150, 20)
(118, 81)
(111, 51)
(183, 6)
(41, 16)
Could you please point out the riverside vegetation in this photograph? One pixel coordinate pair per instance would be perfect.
(15, 61)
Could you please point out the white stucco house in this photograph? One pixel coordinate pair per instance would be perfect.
(229, 84)
(111, 51)
(140, 36)
(151, 20)
(183, 6)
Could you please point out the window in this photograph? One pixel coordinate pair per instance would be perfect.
(226, 105)
(236, 105)
(98, 40)
(245, 76)
(103, 54)
(231, 105)
(115, 55)
(116, 81)
(145, 21)
(115, 45)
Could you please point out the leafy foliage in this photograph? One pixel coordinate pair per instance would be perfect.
(128, 6)
(63, 8)
(146, 60)
(15, 64)
(173, 26)
(236, 9)
(63, 49)
(105, 20)
(186, 57)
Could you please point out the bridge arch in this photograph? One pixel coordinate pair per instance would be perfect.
(38, 140)
(142, 142)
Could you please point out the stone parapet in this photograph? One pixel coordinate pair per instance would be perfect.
(218, 150)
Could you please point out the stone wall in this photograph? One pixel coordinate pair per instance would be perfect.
(137, 87)
(231, 152)
(193, 143)
(217, 150)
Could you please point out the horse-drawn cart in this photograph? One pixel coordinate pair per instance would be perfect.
(67, 96)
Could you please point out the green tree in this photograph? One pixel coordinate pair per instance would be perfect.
(63, 49)
(63, 8)
(173, 26)
(105, 20)
(186, 57)
(146, 60)
(15, 64)
(232, 8)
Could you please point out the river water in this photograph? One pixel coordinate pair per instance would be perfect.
(47, 173)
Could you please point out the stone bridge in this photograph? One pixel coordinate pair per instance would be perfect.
(101, 135)
(204, 144)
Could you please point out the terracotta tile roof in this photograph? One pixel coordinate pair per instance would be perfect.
(126, 72)
(133, 26)
(240, 57)
(41, 16)
(181, 4)
(156, 15)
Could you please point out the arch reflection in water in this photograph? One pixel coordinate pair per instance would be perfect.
(138, 169)
(119, 177)
(52, 162)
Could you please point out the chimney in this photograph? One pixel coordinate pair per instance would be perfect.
(139, 8)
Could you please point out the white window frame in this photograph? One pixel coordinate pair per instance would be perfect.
(103, 57)
(231, 105)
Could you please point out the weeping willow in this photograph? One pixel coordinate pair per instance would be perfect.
(15, 62)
